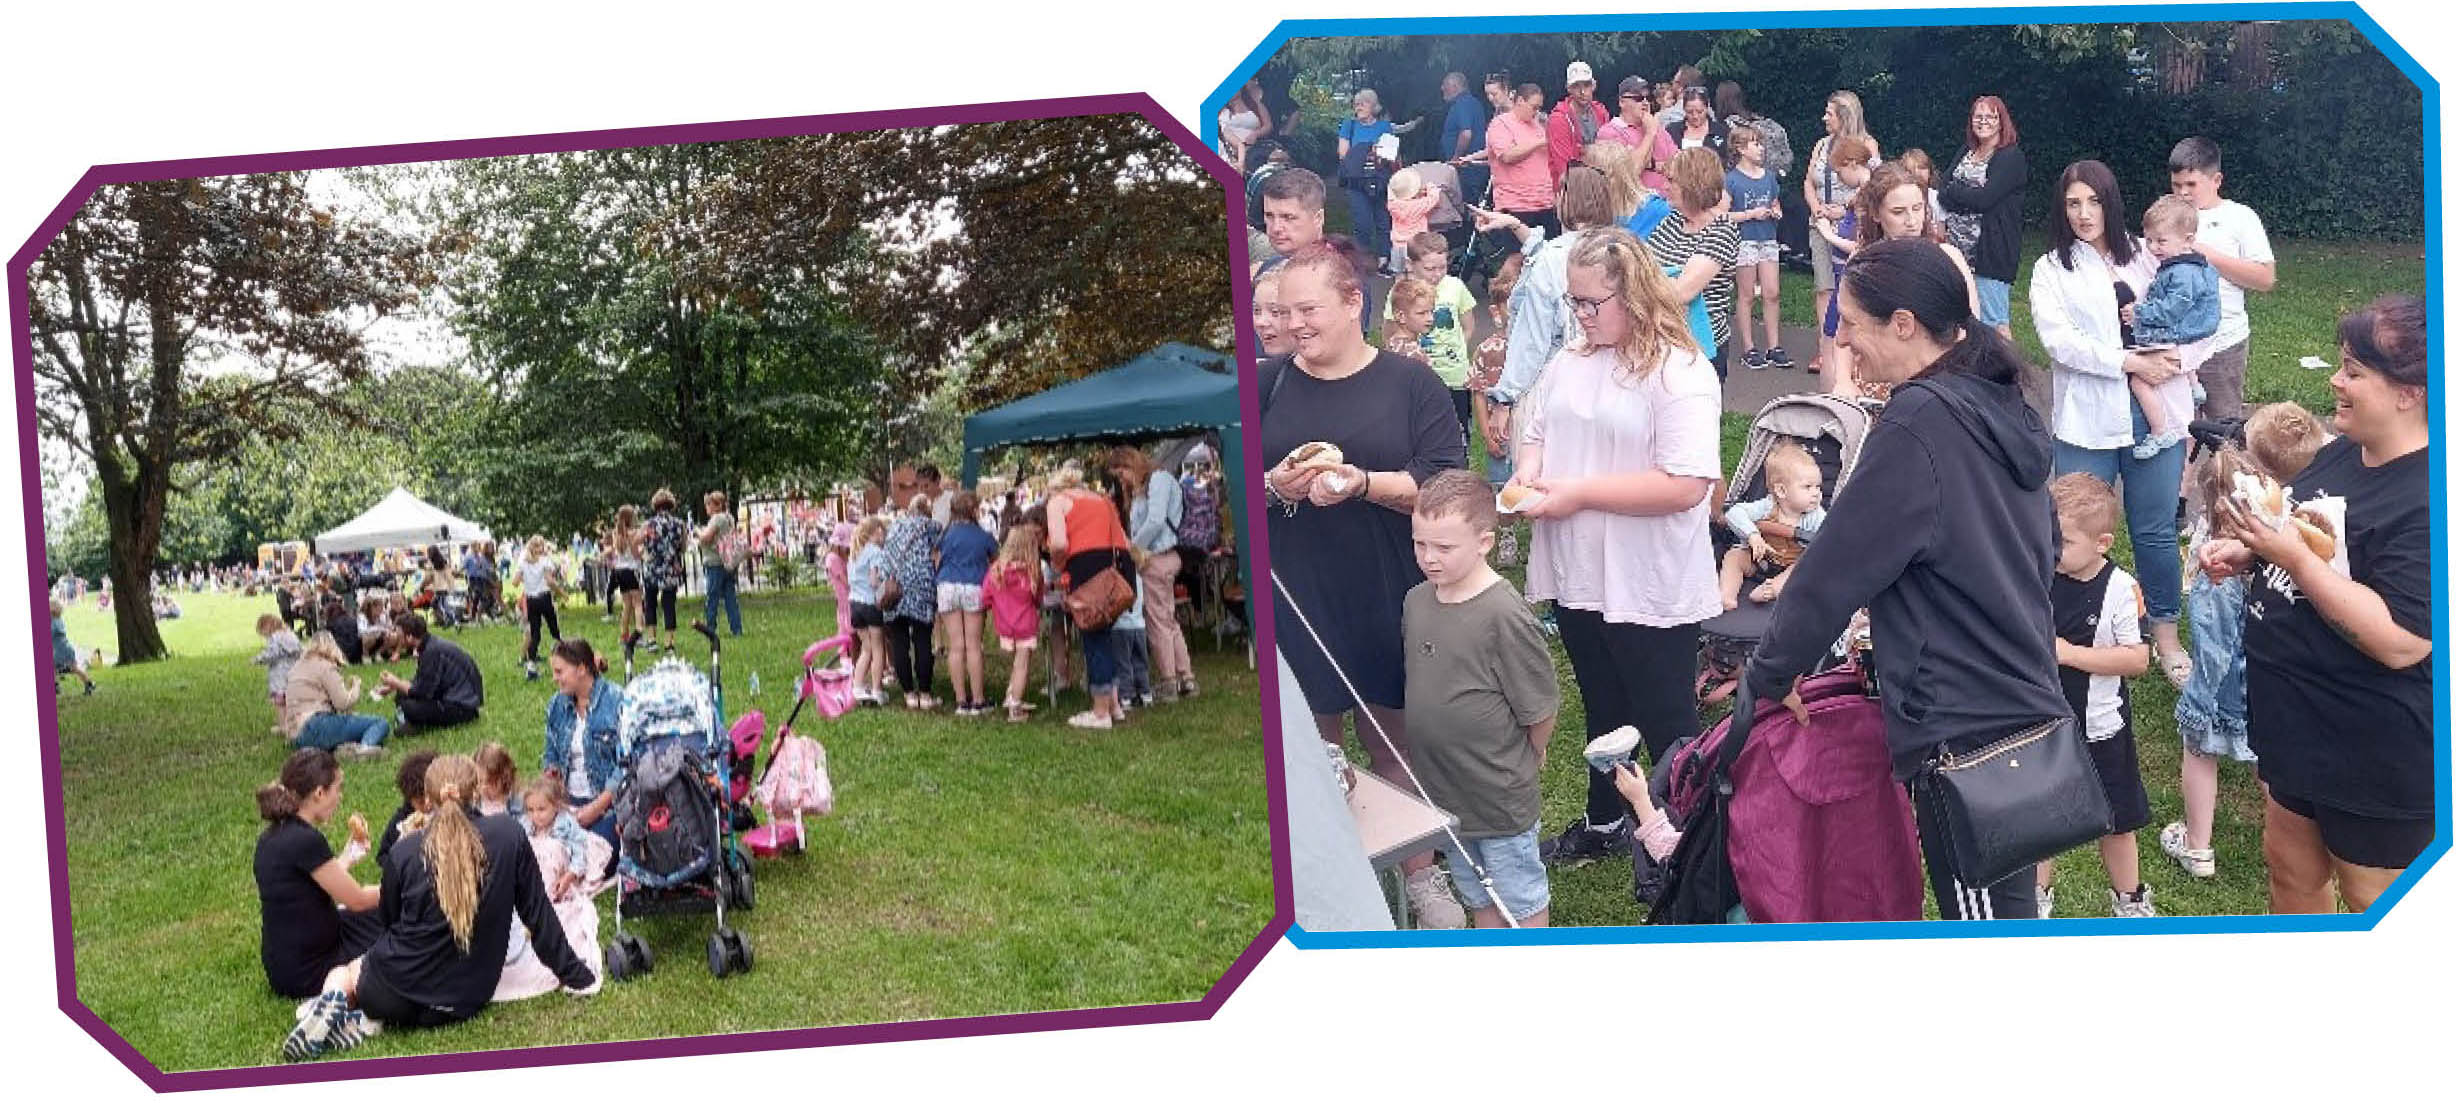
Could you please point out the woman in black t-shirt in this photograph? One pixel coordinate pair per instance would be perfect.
(451, 892)
(1341, 536)
(316, 915)
(2340, 690)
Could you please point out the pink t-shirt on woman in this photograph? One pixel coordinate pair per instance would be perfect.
(1585, 420)
(1522, 185)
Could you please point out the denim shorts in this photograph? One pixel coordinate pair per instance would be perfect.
(960, 597)
(1993, 297)
(1512, 861)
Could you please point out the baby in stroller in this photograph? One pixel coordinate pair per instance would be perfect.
(1771, 531)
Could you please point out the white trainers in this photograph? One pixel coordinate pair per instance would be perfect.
(2174, 840)
(2043, 902)
(2139, 905)
(1430, 892)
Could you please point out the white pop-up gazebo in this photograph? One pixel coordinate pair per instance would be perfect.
(401, 520)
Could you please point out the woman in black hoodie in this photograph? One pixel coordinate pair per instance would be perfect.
(1946, 533)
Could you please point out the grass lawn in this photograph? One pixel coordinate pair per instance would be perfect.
(973, 867)
(2318, 282)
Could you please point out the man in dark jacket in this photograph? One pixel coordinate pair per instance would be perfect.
(445, 690)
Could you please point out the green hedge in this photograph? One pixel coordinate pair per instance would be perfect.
(2320, 132)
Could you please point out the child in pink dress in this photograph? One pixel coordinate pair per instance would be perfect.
(835, 568)
(1014, 590)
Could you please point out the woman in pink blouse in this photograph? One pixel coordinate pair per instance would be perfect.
(1621, 451)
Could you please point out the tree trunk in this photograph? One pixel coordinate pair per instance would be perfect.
(134, 549)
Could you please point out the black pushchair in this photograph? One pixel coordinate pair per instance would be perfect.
(1832, 429)
(676, 851)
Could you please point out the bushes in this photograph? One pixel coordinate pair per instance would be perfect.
(2320, 132)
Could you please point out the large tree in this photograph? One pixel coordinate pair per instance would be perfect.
(1010, 256)
(628, 357)
(175, 320)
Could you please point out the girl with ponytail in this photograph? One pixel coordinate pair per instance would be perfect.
(452, 892)
(1945, 532)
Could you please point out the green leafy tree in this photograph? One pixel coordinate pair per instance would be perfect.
(173, 320)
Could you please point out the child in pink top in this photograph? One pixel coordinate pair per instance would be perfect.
(1014, 591)
(835, 567)
(1409, 200)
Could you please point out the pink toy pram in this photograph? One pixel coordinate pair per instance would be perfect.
(796, 780)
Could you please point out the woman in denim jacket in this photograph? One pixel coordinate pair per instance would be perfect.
(581, 742)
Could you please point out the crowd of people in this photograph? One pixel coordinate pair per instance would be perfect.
(1635, 240)
(484, 883)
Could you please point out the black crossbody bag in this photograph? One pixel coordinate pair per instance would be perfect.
(2015, 802)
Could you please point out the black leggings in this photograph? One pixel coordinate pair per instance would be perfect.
(1631, 674)
(910, 653)
(541, 609)
(662, 604)
(381, 1003)
(2012, 898)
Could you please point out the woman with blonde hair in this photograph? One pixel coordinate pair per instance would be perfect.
(450, 894)
(1624, 189)
(1619, 451)
(624, 572)
(1829, 197)
(1086, 539)
(317, 702)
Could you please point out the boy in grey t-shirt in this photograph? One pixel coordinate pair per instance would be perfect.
(1479, 701)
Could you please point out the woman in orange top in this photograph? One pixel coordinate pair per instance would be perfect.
(1086, 538)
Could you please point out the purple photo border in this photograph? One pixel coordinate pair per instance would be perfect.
(30, 460)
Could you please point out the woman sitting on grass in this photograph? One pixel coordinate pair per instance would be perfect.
(315, 914)
(451, 892)
(317, 702)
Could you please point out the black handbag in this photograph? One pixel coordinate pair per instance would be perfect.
(2013, 803)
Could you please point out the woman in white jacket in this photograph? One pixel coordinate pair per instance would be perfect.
(2094, 270)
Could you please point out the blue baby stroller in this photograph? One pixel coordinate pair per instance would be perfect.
(676, 851)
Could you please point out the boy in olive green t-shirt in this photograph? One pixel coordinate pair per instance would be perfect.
(1479, 701)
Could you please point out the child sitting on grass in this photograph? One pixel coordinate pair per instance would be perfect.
(1014, 591)
(1773, 531)
(2183, 306)
(64, 657)
(1480, 702)
(563, 848)
(499, 780)
(2213, 709)
(281, 652)
(411, 778)
(2099, 615)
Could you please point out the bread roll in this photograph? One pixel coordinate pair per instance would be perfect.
(1315, 454)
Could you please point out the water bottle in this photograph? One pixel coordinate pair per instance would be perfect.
(755, 686)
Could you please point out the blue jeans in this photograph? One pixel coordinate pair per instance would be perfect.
(2150, 496)
(718, 584)
(334, 729)
(1369, 220)
(1102, 664)
(1128, 655)
(2213, 709)
(1992, 301)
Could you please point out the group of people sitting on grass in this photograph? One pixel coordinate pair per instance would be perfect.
(1972, 534)
(314, 703)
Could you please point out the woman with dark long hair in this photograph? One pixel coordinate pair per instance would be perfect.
(451, 892)
(2094, 269)
(314, 914)
(1945, 533)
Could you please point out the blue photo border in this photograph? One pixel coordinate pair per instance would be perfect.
(2431, 149)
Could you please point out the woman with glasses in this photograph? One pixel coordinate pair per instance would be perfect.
(1341, 535)
(1620, 451)
(1981, 199)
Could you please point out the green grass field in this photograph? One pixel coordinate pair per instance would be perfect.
(974, 867)
(2317, 283)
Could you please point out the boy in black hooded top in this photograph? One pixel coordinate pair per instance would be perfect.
(1946, 533)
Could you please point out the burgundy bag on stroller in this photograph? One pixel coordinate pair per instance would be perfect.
(1814, 826)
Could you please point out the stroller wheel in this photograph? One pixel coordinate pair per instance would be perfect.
(739, 950)
(628, 958)
(719, 960)
(738, 885)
